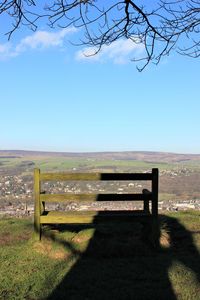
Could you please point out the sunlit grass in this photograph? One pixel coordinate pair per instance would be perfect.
(109, 260)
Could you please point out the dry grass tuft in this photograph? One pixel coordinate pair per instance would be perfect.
(165, 241)
(45, 248)
(6, 239)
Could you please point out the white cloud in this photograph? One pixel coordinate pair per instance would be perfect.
(6, 51)
(38, 40)
(119, 52)
(44, 39)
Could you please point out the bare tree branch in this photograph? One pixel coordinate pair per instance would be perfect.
(160, 27)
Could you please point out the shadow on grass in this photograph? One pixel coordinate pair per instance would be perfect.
(119, 264)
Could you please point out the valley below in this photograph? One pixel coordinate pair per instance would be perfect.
(179, 178)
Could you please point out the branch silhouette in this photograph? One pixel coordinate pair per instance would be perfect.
(160, 27)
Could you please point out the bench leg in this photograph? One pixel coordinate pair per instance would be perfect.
(38, 231)
(155, 232)
(146, 207)
(151, 232)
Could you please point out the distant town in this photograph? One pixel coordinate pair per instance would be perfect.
(17, 199)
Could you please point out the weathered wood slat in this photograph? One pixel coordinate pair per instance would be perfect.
(94, 176)
(89, 217)
(155, 192)
(146, 203)
(94, 197)
(37, 208)
(94, 217)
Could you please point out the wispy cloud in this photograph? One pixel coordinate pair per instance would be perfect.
(6, 51)
(37, 41)
(44, 39)
(119, 52)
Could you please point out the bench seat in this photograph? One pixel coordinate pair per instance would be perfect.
(89, 217)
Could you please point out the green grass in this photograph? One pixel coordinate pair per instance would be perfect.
(166, 196)
(103, 263)
(57, 164)
(50, 163)
(63, 163)
(10, 162)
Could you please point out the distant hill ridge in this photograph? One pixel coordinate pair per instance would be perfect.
(148, 156)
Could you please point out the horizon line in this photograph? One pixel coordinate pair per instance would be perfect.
(97, 152)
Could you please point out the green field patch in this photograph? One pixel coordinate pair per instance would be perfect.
(63, 163)
(166, 196)
(58, 164)
(193, 164)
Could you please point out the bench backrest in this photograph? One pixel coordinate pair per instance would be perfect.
(146, 196)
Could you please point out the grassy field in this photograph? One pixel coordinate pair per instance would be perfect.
(63, 163)
(104, 263)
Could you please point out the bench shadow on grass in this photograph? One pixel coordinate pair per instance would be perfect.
(119, 264)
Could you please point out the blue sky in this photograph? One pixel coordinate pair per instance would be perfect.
(54, 98)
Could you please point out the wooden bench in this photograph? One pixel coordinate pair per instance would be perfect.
(42, 216)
